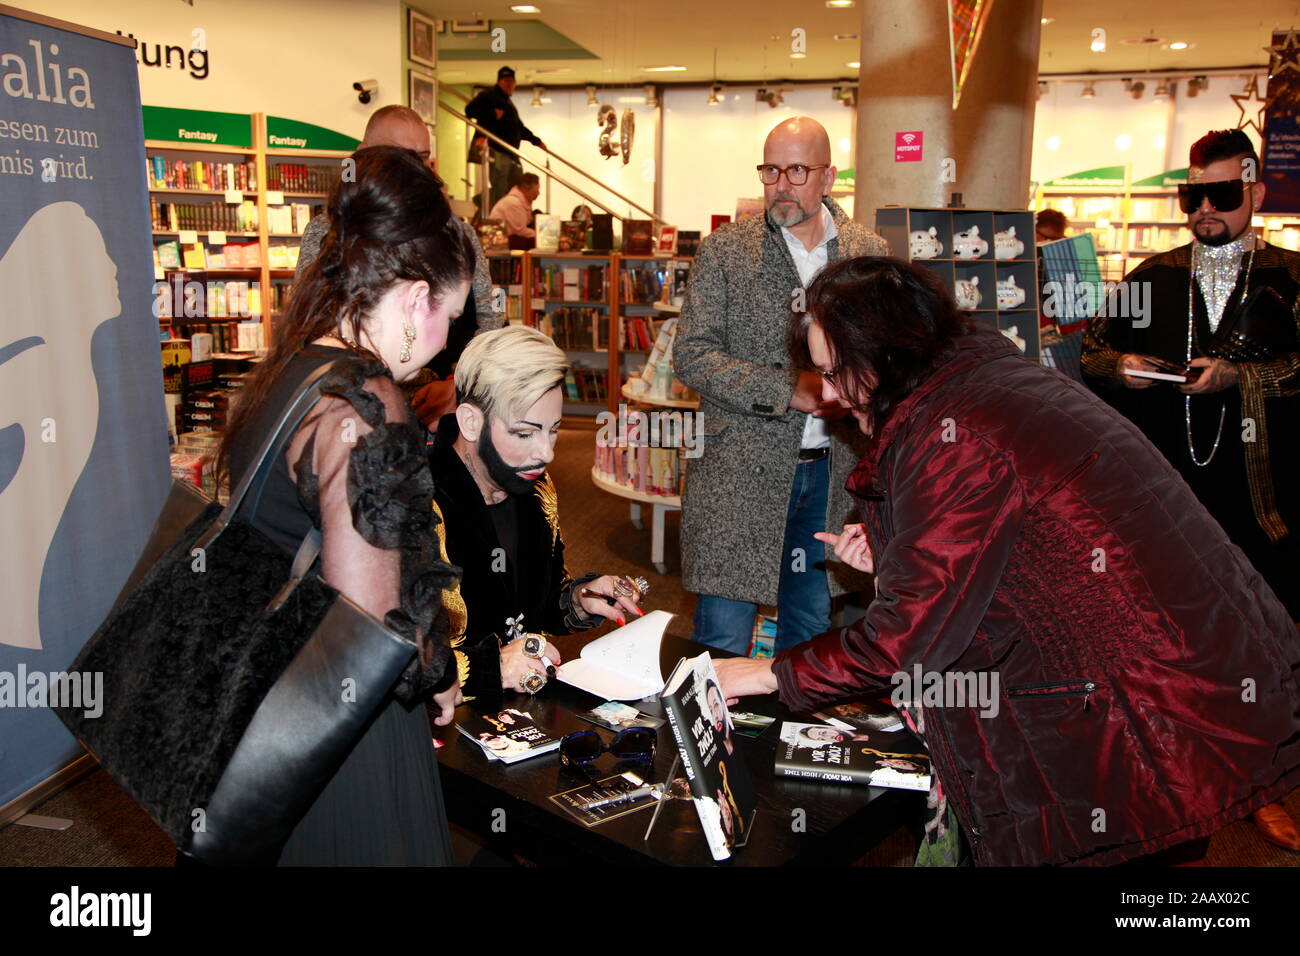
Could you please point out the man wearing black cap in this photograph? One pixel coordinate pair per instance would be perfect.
(493, 110)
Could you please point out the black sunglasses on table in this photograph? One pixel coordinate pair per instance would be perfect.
(634, 743)
(1224, 195)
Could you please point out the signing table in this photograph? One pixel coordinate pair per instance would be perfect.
(798, 822)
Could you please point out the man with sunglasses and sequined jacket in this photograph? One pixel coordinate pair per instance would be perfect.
(1219, 312)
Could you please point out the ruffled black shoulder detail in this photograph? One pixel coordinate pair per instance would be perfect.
(390, 494)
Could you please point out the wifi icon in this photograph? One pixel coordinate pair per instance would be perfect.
(909, 138)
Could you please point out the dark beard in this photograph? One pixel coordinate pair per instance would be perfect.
(506, 478)
(1221, 238)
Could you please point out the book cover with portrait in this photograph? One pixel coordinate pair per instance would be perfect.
(877, 758)
(705, 736)
(508, 735)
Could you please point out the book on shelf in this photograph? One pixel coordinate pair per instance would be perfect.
(876, 758)
(578, 327)
(165, 173)
(291, 218)
(638, 332)
(569, 283)
(638, 237)
(702, 728)
(492, 235)
(302, 177)
(573, 235)
(641, 284)
(204, 216)
(508, 735)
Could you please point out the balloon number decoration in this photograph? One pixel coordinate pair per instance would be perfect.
(607, 119)
(629, 130)
(614, 140)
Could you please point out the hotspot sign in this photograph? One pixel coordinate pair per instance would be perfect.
(907, 147)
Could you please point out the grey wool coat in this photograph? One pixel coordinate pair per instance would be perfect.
(731, 348)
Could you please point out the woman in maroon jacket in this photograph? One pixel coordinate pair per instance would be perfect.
(1029, 541)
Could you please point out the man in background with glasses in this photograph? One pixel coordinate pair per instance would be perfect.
(1219, 318)
(774, 462)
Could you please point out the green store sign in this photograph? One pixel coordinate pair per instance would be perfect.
(201, 127)
(1175, 177)
(284, 133)
(1102, 176)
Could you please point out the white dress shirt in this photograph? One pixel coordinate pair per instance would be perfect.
(809, 262)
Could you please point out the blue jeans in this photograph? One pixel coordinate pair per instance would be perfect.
(803, 599)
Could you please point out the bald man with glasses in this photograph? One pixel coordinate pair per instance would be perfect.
(774, 456)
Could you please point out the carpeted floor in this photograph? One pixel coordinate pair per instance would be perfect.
(110, 830)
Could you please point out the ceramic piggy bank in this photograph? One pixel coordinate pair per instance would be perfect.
(1006, 245)
(1010, 295)
(968, 293)
(1013, 333)
(969, 245)
(925, 244)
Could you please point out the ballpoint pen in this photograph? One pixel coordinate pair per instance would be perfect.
(620, 798)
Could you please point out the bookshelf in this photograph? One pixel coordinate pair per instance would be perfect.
(228, 211)
(606, 327)
(1004, 274)
(233, 209)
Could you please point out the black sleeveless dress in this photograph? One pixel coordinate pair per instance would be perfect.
(384, 806)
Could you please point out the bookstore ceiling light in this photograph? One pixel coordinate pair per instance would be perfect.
(1088, 91)
(591, 95)
(537, 96)
(1163, 90)
(714, 92)
(772, 98)
(651, 95)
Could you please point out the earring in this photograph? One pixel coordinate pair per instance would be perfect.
(408, 339)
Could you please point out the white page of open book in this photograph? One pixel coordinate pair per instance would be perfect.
(622, 665)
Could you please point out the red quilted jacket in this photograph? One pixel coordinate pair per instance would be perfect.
(1146, 675)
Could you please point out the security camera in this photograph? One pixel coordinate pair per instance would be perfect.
(366, 89)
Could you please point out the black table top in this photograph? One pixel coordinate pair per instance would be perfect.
(798, 822)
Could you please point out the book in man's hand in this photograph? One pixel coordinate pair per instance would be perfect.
(877, 758)
(508, 735)
(720, 785)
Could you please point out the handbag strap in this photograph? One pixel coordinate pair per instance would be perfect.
(273, 448)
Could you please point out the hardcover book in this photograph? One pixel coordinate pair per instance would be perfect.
(877, 758)
(724, 796)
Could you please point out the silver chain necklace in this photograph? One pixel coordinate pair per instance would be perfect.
(1191, 323)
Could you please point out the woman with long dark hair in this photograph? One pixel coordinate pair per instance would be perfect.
(391, 274)
(1098, 673)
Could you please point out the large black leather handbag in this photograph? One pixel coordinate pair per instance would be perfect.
(1261, 329)
(235, 680)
